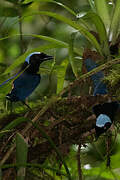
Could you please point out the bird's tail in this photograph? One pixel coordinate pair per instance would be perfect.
(99, 85)
(9, 79)
(14, 76)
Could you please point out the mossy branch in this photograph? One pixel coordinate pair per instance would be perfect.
(90, 73)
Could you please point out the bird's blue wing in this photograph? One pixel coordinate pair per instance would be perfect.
(24, 85)
(99, 86)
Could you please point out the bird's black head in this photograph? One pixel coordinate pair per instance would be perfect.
(34, 60)
(39, 58)
(114, 50)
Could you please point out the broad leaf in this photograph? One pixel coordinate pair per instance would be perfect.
(92, 5)
(21, 155)
(115, 22)
(73, 24)
(46, 38)
(8, 12)
(52, 1)
(27, 1)
(72, 61)
(96, 20)
(61, 71)
(103, 12)
(49, 39)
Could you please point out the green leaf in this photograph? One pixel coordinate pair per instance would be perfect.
(71, 55)
(61, 71)
(21, 155)
(103, 12)
(52, 1)
(46, 38)
(100, 172)
(8, 12)
(49, 39)
(115, 161)
(115, 23)
(73, 24)
(40, 166)
(52, 83)
(28, 1)
(92, 5)
(55, 75)
(54, 44)
(100, 27)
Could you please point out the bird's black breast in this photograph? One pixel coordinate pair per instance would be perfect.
(109, 109)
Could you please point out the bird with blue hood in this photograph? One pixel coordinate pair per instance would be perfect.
(105, 113)
(28, 78)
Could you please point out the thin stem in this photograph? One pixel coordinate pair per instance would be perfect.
(79, 163)
(20, 29)
(108, 146)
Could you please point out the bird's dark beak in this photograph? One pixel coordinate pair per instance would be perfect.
(47, 57)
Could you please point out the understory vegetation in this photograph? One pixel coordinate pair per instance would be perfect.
(55, 139)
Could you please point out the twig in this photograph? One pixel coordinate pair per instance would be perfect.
(20, 29)
(40, 113)
(7, 155)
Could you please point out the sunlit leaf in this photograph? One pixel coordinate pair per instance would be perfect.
(100, 171)
(61, 71)
(50, 39)
(55, 2)
(92, 5)
(76, 67)
(115, 22)
(96, 20)
(103, 12)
